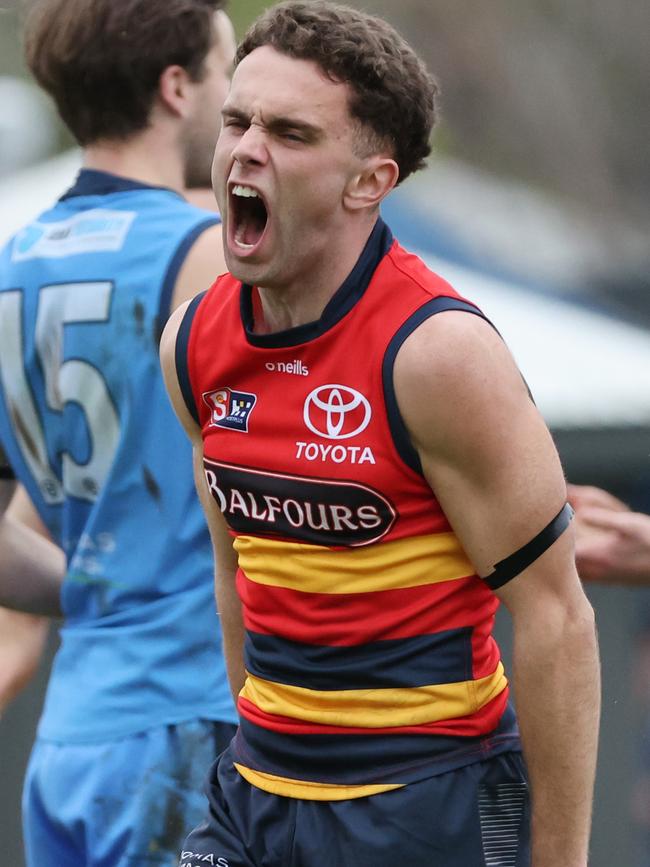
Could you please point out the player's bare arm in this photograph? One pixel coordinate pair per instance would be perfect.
(225, 558)
(491, 462)
(31, 565)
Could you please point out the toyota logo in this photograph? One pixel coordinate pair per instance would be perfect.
(336, 412)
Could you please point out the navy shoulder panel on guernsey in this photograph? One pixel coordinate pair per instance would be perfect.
(180, 356)
(398, 429)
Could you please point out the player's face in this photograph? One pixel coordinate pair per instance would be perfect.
(283, 163)
(203, 126)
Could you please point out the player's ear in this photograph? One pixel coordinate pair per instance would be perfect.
(372, 184)
(174, 90)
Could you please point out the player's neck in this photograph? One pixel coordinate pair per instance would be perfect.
(304, 296)
(133, 159)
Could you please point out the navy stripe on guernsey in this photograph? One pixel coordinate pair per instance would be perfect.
(360, 759)
(180, 356)
(443, 657)
(378, 244)
(400, 435)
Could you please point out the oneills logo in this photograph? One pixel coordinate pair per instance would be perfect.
(321, 512)
(296, 367)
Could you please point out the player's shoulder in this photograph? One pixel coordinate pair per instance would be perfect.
(410, 267)
(167, 347)
(452, 345)
(157, 206)
(193, 308)
(455, 338)
(21, 239)
(203, 263)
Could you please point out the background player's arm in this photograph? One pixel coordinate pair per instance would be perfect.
(225, 558)
(492, 464)
(22, 636)
(612, 541)
(31, 565)
(203, 264)
(22, 639)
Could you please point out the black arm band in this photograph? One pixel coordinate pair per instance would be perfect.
(506, 570)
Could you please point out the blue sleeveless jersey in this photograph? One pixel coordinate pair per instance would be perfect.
(87, 426)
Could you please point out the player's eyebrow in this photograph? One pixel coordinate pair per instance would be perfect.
(276, 124)
(234, 114)
(281, 124)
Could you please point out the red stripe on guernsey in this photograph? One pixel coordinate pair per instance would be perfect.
(357, 618)
(484, 720)
(485, 650)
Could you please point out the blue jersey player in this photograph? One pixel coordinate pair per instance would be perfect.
(137, 701)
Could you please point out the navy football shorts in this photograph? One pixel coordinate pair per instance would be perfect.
(476, 816)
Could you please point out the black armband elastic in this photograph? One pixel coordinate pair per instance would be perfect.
(506, 570)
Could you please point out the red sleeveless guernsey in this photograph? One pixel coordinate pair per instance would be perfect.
(368, 650)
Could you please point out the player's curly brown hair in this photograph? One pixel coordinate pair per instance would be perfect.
(393, 96)
(101, 60)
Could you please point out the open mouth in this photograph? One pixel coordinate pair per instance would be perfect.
(248, 216)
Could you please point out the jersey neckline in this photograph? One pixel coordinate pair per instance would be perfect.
(343, 300)
(92, 182)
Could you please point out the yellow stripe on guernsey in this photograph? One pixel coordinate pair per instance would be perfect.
(375, 708)
(394, 565)
(306, 789)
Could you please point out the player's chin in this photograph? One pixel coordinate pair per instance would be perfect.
(247, 269)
